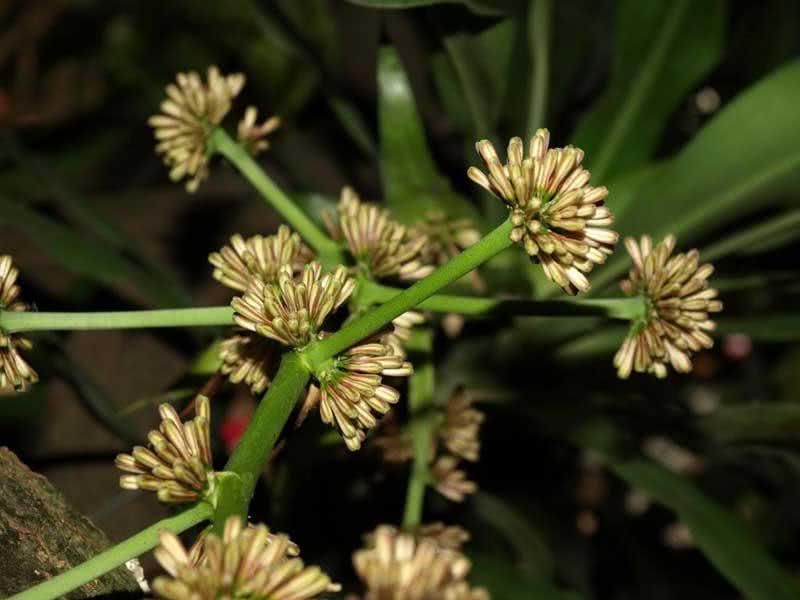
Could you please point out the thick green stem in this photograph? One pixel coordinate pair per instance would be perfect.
(12, 322)
(114, 556)
(254, 448)
(370, 292)
(494, 243)
(328, 250)
(539, 19)
(420, 395)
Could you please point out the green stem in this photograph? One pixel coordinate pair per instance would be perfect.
(370, 292)
(420, 395)
(114, 556)
(12, 322)
(494, 243)
(256, 445)
(539, 19)
(328, 250)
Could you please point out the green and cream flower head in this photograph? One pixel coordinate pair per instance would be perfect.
(188, 116)
(678, 304)
(246, 562)
(14, 371)
(397, 566)
(177, 466)
(381, 247)
(446, 237)
(352, 389)
(451, 481)
(259, 257)
(558, 217)
(450, 537)
(252, 135)
(460, 430)
(292, 311)
(249, 358)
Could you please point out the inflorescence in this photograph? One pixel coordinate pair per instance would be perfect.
(14, 370)
(246, 562)
(178, 464)
(397, 566)
(678, 302)
(558, 217)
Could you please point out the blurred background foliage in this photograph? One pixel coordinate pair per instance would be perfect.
(590, 487)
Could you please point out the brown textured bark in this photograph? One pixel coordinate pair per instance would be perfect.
(42, 536)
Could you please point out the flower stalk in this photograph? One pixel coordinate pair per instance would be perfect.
(209, 316)
(495, 242)
(329, 252)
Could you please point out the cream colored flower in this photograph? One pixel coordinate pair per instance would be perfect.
(292, 311)
(381, 247)
(450, 481)
(461, 426)
(14, 370)
(352, 389)
(450, 537)
(261, 257)
(252, 135)
(678, 303)
(245, 562)
(557, 216)
(250, 359)
(177, 466)
(446, 237)
(396, 566)
(188, 117)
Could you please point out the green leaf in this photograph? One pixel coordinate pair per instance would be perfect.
(82, 255)
(747, 157)
(726, 541)
(767, 328)
(534, 558)
(762, 422)
(762, 237)
(411, 181)
(663, 48)
(505, 582)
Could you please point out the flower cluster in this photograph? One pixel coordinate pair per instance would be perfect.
(292, 311)
(188, 116)
(446, 237)
(557, 216)
(250, 359)
(14, 370)
(396, 566)
(246, 562)
(678, 303)
(352, 389)
(380, 246)
(459, 433)
(259, 257)
(252, 135)
(177, 466)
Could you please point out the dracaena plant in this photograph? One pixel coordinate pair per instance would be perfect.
(321, 320)
(342, 311)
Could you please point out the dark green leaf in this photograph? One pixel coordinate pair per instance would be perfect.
(726, 541)
(81, 255)
(745, 158)
(411, 181)
(663, 49)
(766, 328)
(761, 237)
(484, 7)
(504, 582)
(762, 422)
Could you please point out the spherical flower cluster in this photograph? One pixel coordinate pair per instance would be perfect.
(557, 216)
(14, 370)
(292, 311)
(188, 116)
(177, 466)
(353, 389)
(380, 246)
(450, 481)
(461, 426)
(396, 566)
(250, 359)
(259, 257)
(246, 562)
(446, 238)
(678, 303)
